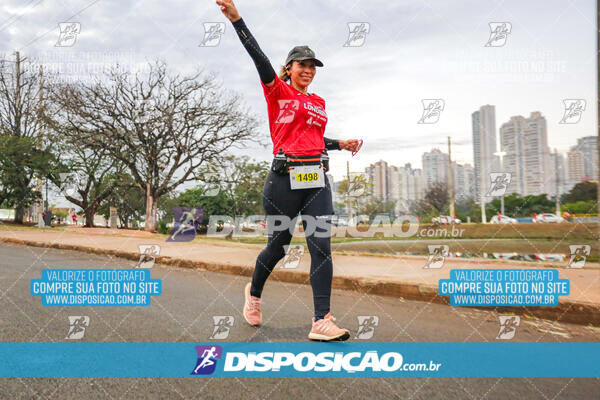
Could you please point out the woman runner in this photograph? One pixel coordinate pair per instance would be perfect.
(297, 122)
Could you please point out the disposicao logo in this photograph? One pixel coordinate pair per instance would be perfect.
(302, 362)
(308, 361)
(207, 359)
(250, 360)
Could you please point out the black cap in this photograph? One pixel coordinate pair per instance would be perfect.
(300, 53)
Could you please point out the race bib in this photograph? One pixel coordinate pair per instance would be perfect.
(307, 177)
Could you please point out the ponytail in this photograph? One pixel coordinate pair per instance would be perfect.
(283, 74)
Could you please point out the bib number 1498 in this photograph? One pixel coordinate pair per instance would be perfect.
(306, 177)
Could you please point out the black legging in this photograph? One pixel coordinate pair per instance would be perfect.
(279, 199)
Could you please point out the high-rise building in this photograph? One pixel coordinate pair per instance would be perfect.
(588, 145)
(525, 142)
(435, 167)
(484, 147)
(411, 187)
(395, 180)
(416, 185)
(558, 174)
(464, 181)
(404, 185)
(378, 174)
(576, 167)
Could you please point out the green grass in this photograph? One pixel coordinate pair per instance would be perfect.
(10, 226)
(475, 246)
(558, 232)
(518, 238)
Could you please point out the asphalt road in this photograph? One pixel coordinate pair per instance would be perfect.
(183, 313)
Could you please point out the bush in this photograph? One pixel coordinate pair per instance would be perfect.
(162, 227)
(580, 207)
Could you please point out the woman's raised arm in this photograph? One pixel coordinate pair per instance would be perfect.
(263, 65)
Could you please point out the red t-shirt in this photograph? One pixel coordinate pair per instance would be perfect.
(296, 120)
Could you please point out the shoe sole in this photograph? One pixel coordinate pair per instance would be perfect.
(246, 294)
(322, 338)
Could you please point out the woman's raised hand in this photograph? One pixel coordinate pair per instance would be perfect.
(228, 9)
(352, 145)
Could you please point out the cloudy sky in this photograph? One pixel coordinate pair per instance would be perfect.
(414, 50)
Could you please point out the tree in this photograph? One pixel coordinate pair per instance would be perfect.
(220, 204)
(92, 176)
(580, 207)
(355, 192)
(437, 196)
(20, 161)
(467, 207)
(163, 128)
(517, 206)
(238, 191)
(23, 153)
(374, 206)
(434, 202)
(127, 197)
(582, 191)
(243, 180)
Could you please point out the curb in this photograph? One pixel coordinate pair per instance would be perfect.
(582, 313)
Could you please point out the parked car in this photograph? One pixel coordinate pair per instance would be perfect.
(445, 220)
(547, 218)
(340, 220)
(503, 220)
(253, 224)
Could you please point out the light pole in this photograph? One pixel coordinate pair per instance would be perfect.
(557, 173)
(501, 154)
(451, 180)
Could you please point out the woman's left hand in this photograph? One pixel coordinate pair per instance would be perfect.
(350, 145)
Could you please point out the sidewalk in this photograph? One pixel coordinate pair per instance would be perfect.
(398, 276)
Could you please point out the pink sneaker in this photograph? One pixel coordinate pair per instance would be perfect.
(252, 307)
(325, 330)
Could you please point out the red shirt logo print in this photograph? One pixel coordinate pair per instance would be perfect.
(287, 111)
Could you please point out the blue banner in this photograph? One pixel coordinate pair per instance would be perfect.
(299, 359)
(504, 287)
(95, 287)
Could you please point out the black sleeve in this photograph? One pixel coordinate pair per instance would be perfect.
(263, 65)
(331, 144)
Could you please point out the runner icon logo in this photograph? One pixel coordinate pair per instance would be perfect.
(287, 111)
(579, 253)
(148, 254)
(499, 32)
(573, 110)
(186, 221)
(357, 33)
(77, 325)
(212, 34)
(432, 109)
(222, 325)
(207, 359)
(293, 254)
(499, 183)
(69, 183)
(211, 184)
(366, 326)
(357, 184)
(437, 252)
(68, 33)
(508, 326)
